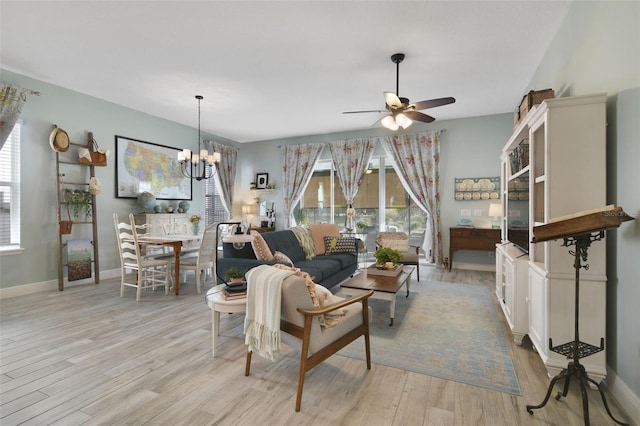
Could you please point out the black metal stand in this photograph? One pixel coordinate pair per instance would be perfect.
(577, 349)
(218, 240)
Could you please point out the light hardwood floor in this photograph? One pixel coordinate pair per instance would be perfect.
(87, 356)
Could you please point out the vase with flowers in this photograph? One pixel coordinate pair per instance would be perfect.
(195, 223)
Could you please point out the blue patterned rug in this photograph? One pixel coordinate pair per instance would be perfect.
(445, 330)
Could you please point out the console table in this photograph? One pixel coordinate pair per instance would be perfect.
(484, 239)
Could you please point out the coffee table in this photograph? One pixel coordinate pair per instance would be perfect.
(384, 287)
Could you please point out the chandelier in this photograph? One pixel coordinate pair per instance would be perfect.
(201, 165)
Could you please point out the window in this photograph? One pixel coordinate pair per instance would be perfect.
(381, 202)
(10, 191)
(213, 208)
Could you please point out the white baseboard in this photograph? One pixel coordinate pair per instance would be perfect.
(624, 396)
(51, 285)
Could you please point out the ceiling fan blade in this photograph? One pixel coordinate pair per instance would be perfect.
(359, 112)
(418, 116)
(432, 103)
(392, 100)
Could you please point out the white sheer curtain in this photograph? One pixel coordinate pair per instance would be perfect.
(416, 159)
(12, 99)
(350, 159)
(226, 174)
(298, 164)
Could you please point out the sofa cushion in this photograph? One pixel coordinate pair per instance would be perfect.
(320, 267)
(334, 245)
(260, 247)
(318, 231)
(285, 242)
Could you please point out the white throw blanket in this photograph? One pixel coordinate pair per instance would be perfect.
(264, 303)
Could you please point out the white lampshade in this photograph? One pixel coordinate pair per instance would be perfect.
(389, 122)
(495, 210)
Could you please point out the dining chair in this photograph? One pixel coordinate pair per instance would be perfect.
(205, 260)
(149, 273)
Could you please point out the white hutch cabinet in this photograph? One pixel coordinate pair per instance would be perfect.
(566, 174)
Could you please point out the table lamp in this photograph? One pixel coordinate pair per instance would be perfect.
(495, 211)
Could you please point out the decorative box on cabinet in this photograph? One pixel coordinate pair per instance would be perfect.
(512, 268)
(567, 174)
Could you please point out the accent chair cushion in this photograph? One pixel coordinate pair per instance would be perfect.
(400, 245)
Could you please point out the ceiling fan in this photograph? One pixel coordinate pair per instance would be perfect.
(402, 112)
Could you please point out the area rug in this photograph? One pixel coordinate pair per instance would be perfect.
(445, 330)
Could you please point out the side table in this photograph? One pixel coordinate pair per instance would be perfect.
(217, 303)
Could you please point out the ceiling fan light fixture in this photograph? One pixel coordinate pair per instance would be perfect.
(403, 121)
(390, 123)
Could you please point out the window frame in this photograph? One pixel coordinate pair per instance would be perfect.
(12, 161)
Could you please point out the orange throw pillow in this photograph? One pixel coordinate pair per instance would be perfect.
(320, 230)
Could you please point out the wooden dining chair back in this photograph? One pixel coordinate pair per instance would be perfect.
(147, 273)
(300, 326)
(204, 262)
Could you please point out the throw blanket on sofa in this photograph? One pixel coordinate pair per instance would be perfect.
(264, 302)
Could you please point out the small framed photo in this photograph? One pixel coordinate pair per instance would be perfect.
(262, 179)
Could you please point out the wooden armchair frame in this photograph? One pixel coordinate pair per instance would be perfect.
(307, 362)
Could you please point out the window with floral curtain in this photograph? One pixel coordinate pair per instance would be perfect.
(416, 159)
(297, 168)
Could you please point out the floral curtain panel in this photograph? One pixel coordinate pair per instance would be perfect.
(350, 159)
(297, 168)
(416, 159)
(226, 175)
(11, 101)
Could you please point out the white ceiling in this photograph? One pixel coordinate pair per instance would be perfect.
(270, 70)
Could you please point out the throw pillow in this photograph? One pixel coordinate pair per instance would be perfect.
(318, 231)
(282, 258)
(260, 247)
(400, 245)
(333, 245)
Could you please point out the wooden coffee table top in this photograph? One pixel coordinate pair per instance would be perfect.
(381, 283)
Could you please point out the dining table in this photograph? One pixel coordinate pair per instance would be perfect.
(175, 241)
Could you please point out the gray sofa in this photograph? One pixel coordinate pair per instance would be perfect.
(328, 270)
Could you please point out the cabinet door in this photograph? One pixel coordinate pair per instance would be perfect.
(499, 276)
(538, 311)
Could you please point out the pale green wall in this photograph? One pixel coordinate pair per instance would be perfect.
(77, 114)
(597, 49)
(470, 147)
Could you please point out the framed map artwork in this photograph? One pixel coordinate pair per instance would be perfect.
(144, 166)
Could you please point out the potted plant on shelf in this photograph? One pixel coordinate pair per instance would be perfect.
(234, 275)
(387, 257)
(360, 225)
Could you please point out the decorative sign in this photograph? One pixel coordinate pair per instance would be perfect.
(144, 166)
(473, 189)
